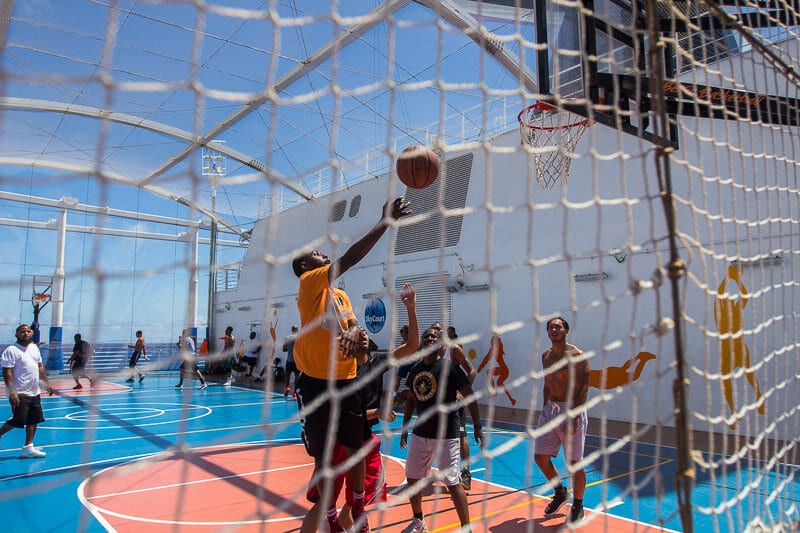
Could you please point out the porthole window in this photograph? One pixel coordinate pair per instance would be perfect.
(337, 211)
(355, 205)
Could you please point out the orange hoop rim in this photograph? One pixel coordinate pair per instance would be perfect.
(41, 297)
(544, 106)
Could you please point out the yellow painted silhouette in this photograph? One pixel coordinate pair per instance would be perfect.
(617, 376)
(733, 350)
(500, 371)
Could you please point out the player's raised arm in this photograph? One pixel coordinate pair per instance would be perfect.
(409, 298)
(391, 212)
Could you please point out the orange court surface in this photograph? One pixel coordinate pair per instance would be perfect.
(224, 487)
(147, 456)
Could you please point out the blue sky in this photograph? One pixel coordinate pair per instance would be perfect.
(188, 70)
(141, 283)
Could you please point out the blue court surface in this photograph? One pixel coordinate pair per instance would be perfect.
(118, 424)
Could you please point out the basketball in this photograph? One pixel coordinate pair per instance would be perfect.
(417, 167)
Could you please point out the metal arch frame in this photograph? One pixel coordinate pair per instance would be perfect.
(119, 178)
(30, 104)
(348, 36)
(93, 230)
(342, 40)
(446, 9)
(484, 38)
(443, 8)
(106, 211)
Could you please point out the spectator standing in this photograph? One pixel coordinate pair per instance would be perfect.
(139, 351)
(291, 367)
(22, 371)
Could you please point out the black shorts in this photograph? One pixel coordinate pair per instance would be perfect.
(291, 367)
(28, 412)
(251, 361)
(194, 366)
(318, 424)
(134, 359)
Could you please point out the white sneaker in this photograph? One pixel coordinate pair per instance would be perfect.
(228, 382)
(30, 452)
(203, 386)
(416, 526)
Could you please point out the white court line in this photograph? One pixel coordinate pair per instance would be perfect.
(161, 435)
(199, 481)
(99, 512)
(130, 458)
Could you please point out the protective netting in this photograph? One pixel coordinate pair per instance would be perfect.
(671, 249)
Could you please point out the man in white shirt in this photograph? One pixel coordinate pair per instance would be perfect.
(252, 354)
(22, 370)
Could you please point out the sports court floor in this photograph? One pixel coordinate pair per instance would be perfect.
(149, 457)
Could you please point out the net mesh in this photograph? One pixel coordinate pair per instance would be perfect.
(674, 264)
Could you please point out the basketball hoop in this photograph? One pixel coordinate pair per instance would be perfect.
(552, 134)
(40, 298)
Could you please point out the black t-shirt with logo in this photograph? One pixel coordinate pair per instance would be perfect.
(424, 381)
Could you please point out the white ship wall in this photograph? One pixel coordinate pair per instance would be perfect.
(527, 244)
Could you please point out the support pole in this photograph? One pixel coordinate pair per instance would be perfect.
(191, 312)
(55, 358)
(212, 268)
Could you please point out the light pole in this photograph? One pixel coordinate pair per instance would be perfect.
(214, 168)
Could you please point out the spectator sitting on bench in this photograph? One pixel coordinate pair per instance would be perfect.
(278, 371)
(251, 355)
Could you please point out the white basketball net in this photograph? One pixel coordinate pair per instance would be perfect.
(551, 136)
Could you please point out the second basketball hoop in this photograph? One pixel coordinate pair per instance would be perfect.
(551, 135)
(41, 299)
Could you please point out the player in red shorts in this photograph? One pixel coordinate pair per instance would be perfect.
(370, 371)
(374, 482)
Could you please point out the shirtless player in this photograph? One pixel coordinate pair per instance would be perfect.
(566, 383)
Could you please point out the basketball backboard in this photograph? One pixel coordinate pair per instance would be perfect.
(599, 62)
(32, 284)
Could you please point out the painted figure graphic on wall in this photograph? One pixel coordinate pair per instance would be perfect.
(617, 376)
(497, 369)
(733, 351)
(604, 378)
(270, 360)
